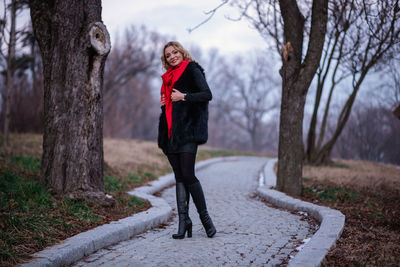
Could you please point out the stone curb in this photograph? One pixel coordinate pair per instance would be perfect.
(331, 221)
(76, 247)
(81, 245)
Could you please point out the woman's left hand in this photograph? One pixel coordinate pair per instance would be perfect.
(176, 95)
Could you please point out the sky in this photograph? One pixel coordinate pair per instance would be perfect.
(174, 17)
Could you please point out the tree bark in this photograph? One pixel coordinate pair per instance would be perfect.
(296, 79)
(396, 111)
(74, 45)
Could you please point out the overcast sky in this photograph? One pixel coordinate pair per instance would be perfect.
(174, 17)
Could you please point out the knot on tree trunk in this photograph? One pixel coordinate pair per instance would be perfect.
(287, 55)
(101, 46)
(287, 51)
(99, 38)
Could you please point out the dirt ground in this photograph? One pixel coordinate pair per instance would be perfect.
(368, 194)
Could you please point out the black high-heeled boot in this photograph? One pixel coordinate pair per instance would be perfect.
(198, 198)
(182, 201)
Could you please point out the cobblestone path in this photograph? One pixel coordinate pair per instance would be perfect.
(249, 233)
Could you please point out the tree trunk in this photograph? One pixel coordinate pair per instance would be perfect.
(10, 72)
(296, 79)
(74, 46)
(321, 78)
(290, 151)
(396, 111)
(313, 124)
(324, 153)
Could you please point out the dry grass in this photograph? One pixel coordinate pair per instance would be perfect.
(132, 156)
(25, 144)
(368, 194)
(356, 174)
(124, 155)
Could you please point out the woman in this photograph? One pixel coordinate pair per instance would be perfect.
(183, 126)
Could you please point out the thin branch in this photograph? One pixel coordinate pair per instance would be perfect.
(243, 13)
(276, 31)
(210, 14)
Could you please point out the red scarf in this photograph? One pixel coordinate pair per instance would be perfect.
(169, 79)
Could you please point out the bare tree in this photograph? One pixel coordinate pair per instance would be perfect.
(10, 71)
(11, 11)
(129, 107)
(297, 74)
(358, 51)
(26, 110)
(372, 133)
(22, 103)
(361, 38)
(138, 53)
(393, 86)
(131, 111)
(74, 45)
(295, 21)
(246, 93)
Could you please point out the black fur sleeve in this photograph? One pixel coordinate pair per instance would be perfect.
(204, 92)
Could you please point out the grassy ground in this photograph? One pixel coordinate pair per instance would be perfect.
(32, 219)
(368, 194)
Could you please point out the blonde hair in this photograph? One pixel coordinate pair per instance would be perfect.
(177, 46)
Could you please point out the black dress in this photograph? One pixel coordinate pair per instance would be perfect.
(185, 148)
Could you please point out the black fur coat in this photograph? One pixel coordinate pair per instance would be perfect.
(189, 117)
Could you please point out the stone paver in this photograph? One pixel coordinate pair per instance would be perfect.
(249, 232)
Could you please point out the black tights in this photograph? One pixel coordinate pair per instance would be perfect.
(183, 166)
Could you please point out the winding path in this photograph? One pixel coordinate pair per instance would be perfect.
(250, 233)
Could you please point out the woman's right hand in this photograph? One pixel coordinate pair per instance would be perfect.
(162, 100)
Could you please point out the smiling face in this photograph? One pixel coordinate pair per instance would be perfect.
(172, 56)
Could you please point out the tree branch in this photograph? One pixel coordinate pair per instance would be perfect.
(210, 14)
(319, 19)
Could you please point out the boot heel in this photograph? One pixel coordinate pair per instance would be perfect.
(182, 201)
(198, 198)
(189, 230)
